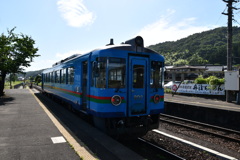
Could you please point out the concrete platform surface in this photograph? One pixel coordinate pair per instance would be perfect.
(208, 101)
(26, 130)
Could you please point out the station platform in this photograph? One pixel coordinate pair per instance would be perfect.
(29, 131)
(208, 101)
(207, 109)
(26, 130)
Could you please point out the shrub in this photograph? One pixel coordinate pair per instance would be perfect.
(212, 80)
(221, 81)
(200, 80)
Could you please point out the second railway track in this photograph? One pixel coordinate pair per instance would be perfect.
(220, 132)
(223, 140)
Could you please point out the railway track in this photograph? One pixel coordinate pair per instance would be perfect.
(148, 149)
(220, 132)
(180, 148)
(164, 153)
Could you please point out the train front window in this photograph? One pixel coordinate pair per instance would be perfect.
(156, 74)
(116, 73)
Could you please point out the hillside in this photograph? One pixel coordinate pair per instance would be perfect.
(30, 74)
(209, 47)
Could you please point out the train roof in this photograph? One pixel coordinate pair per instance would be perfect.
(133, 45)
(126, 47)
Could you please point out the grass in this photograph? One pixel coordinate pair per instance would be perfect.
(7, 84)
(167, 90)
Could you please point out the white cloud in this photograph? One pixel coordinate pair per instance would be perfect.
(43, 62)
(61, 56)
(166, 30)
(75, 13)
(39, 64)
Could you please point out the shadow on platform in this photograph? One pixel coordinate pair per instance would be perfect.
(74, 123)
(5, 99)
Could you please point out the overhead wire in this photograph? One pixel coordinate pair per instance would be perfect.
(220, 16)
(237, 13)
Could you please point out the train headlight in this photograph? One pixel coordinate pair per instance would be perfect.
(116, 100)
(156, 98)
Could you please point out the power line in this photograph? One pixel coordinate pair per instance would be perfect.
(237, 18)
(236, 21)
(220, 16)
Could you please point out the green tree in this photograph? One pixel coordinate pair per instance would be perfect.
(31, 78)
(181, 62)
(13, 77)
(16, 51)
(196, 59)
(38, 79)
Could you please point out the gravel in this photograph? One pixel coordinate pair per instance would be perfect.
(183, 150)
(178, 148)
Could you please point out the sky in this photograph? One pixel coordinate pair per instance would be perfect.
(62, 28)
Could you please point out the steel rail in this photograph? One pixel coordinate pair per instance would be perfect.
(168, 153)
(202, 130)
(203, 124)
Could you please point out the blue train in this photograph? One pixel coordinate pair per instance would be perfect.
(119, 86)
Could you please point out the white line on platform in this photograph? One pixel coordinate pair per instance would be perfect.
(59, 139)
(196, 145)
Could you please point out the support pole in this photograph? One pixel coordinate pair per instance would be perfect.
(229, 94)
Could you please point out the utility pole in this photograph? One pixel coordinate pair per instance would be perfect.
(229, 94)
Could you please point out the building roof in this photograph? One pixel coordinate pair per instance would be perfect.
(188, 67)
(215, 68)
(210, 68)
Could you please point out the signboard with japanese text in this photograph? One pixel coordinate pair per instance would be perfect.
(201, 89)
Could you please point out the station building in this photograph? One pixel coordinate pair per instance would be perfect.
(180, 73)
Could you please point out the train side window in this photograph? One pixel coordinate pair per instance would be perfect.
(70, 75)
(63, 76)
(116, 72)
(94, 64)
(52, 77)
(60, 76)
(44, 77)
(49, 77)
(156, 74)
(99, 74)
(57, 76)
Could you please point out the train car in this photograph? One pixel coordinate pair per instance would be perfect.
(119, 86)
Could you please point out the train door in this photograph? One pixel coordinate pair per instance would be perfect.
(84, 84)
(137, 85)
